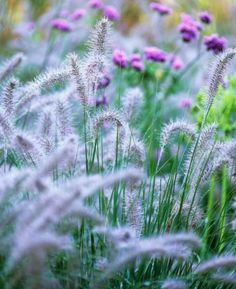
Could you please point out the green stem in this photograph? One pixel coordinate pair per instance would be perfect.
(223, 207)
(209, 219)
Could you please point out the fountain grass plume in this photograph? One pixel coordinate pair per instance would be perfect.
(217, 75)
(9, 66)
(216, 263)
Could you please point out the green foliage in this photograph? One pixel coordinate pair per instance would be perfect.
(223, 111)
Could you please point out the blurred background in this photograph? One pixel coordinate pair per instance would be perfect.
(26, 26)
(13, 12)
(16, 11)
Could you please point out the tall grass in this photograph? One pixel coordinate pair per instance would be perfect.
(81, 204)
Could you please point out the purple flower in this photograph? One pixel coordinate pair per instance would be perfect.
(186, 102)
(102, 101)
(177, 63)
(205, 17)
(136, 62)
(120, 58)
(189, 28)
(105, 81)
(111, 13)
(215, 43)
(30, 25)
(77, 14)
(96, 4)
(137, 65)
(160, 8)
(64, 13)
(135, 57)
(61, 24)
(155, 54)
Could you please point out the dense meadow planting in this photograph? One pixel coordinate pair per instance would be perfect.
(118, 151)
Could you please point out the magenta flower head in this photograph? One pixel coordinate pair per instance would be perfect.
(101, 101)
(104, 81)
(205, 17)
(155, 54)
(111, 13)
(136, 62)
(77, 14)
(177, 63)
(61, 24)
(64, 13)
(215, 43)
(30, 25)
(120, 58)
(189, 28)
(135, 57)
(96, 4)
(137, 65)
(186, 102)
(160, 8)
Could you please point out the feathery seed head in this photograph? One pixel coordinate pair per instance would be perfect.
(173, 284)
(172, 127)
(132, 101)
(79, 77)
(99, 42)
(216, 263)
(11, 64)
(217, 76)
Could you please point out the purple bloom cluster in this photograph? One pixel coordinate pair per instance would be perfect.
(215, 43)
(205, 17)
(186, 102)
(151, 53)
(155, 54)
(61, 24)
(30, 25)
(120, 58)
(136, 62)
(176, 63)
(96, 4)
(64, 13)
(101, 101)
(111, 13)
(64, 22)
(77, 14)
(189, 28)
(160, 8)
(105, 81)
